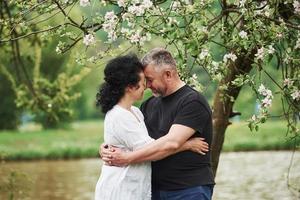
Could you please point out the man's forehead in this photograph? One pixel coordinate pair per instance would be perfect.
(149, 70)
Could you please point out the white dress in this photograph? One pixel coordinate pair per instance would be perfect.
(122, 129)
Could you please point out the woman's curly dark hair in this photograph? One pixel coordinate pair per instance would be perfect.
(119, 73)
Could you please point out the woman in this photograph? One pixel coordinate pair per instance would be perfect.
(124, 127)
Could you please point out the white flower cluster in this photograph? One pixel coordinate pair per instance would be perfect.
(172, 20)
(298, 44)
(242, 3)
(60, 46)
(175, 5)
(296, 95)
(261, 52)
(137, 37)
(267, 94)
(89, 39)
(265, 11)
(215, 70)
(229, 56)
(287, 82)
(84, 3)
(138, 8)
(121, 3)
(204, 53)
(243, 34)
(296, 5)
(109, 25)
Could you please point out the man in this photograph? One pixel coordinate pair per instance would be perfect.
(174, 114)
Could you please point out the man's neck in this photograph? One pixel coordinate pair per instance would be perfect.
(176, 86)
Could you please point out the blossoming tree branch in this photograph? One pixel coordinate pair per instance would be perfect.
(250, 37)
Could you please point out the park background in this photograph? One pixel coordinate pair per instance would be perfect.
(42, 160)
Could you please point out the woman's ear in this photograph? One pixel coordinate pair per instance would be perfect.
(128, 89)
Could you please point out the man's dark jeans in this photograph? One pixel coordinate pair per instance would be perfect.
(203, 192)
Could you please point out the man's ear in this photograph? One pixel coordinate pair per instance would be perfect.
(168, 74)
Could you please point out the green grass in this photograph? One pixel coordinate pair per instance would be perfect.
(82, 140)
(271, 136)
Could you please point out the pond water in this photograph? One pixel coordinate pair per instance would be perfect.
(241, 176)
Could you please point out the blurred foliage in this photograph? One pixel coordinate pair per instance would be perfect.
(9, 113)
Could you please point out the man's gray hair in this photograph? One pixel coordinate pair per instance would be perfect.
(159, 57)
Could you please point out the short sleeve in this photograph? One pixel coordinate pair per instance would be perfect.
(193, 114)
(130, 133)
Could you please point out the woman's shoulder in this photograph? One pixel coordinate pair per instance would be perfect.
(135, 108)
(138, 111)
(115, 113)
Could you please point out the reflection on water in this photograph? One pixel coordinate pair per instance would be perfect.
(61, 180)
(257, 176)
(241, 176)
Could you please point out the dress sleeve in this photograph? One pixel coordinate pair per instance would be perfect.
(130, 133)
(193, 114)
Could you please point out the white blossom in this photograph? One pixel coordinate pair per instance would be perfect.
(298, 44)
(136, 10)
(279, 35)
(296, 95)
(260, 53)
(125, 31)
(172, 20)
(58, 50)
(110, 16)
(204, 53)
(175, 5)
(243, 34)
(121, 3)
(296, 5)
(266, 102)
(89, 39)
(271, 49)
(126, 16)
(264, 91)
(267, 13)
(253, 117)
(230, 56)
(84, 3)
(242, 3)
(109, 25)
(147, 4)
(287, 82)
(49, 105)
(135, 37)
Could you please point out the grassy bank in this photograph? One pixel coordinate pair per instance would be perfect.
(83, 139)
(80, 141)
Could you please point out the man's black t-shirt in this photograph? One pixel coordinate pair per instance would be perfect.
(185, 169)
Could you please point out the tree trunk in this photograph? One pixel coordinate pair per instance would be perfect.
(222, 107)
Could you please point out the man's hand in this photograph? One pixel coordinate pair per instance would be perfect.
(198, 145)
(113, 156)
(105, 149)
(116, 157)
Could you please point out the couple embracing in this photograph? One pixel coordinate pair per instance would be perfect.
(160, 151)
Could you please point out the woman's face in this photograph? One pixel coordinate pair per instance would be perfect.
(137, 92)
